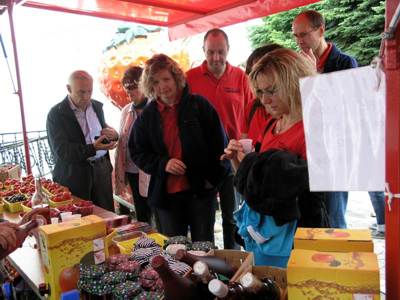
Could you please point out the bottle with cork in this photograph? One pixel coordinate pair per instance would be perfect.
(260, 289)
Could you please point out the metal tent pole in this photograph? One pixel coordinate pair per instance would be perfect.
(10, 6)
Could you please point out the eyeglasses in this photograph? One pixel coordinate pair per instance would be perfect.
(270, 92)
(130, 86)
(302, 35)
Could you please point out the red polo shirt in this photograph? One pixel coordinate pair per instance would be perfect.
(322, 59)
(256, 125)
(292, 140)
(229, 94)
(169, 121)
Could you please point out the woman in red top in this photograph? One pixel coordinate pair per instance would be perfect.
(256, 114)
(275, 81)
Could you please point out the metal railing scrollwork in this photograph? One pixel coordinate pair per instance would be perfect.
(12, 151)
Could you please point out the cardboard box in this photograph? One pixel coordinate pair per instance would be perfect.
(8, 171)
(333, 275)
(66, 244)
(333, 239)
(236, 258)
(125, 247)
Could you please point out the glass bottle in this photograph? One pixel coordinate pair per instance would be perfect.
(201, 270)
(38, 198)
(215, 264)
(175, 286)
(230, 291)
(260, 289)
(201, 276)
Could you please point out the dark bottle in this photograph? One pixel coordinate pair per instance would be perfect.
(201, 270)
(201, 276)
(215, 264)
(176, 287)
(260, 289)
(230, 291)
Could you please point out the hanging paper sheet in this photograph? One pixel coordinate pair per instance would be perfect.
(344, 123)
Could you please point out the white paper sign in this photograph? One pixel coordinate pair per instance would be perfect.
(344, 123)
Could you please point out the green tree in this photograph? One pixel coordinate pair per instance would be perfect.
(354, 25)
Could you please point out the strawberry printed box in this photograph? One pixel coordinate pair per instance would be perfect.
(333, 275)
(333, 239)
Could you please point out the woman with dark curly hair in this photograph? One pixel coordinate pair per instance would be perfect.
(125, 169)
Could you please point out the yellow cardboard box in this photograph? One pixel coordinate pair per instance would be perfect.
(333, 239)
(65, 244)
(333, 275)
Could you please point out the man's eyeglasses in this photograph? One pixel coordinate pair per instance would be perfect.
(302, 35)
(267, 92)
(130, 86)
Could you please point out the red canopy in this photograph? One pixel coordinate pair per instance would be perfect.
(182, 17)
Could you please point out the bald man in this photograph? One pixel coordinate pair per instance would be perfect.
(227, 88)
(79, 140)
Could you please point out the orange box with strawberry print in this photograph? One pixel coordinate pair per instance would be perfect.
(333, 275)
(333, 239)
(64, 245)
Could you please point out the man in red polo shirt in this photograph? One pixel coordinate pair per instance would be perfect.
(228, 90)
(308, 30)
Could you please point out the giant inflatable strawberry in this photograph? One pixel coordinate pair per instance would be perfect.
(132, 46)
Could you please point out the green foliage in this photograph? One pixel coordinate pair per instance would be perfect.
(354, 26)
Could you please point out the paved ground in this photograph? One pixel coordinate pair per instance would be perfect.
(358, 215)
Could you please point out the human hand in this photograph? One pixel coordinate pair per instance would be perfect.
(8, 238)
(98, 144)
(110, 133)
(231, 151)
(175, 167)
(309, 56)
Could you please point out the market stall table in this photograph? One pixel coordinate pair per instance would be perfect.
(27, 261)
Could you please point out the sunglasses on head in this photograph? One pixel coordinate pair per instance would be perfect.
(130, 86)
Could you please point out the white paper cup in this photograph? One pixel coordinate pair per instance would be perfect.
(71, 217)
(247, 145)
(65, 215)
(54, 220)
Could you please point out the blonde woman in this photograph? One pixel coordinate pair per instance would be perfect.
(268, 219)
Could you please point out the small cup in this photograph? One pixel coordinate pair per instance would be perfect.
(247, 145)
(54, 220)
(65, 215)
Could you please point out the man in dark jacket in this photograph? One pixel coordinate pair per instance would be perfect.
(308, 30)
(178, 140)
(79, 140)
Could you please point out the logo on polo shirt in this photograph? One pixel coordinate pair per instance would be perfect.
(232, 90)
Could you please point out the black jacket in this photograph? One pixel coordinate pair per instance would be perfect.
(337, 61)
(275, 183)
(69, 148)
(202, 138)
